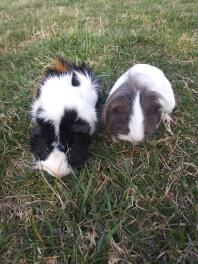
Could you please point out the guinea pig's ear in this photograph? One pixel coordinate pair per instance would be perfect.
(81, 128)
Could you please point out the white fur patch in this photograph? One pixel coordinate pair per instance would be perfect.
(56, 164)
(154, 79)
(57, 95)
(136, 125)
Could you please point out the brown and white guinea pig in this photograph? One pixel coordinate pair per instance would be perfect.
(64, 117)
(138, 101)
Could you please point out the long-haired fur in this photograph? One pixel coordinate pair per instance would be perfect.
(64, 116)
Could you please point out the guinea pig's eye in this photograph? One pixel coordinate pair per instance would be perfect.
(47, 149)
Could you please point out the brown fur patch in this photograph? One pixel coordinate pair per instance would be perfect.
(152, 111)
(61, 65)
(118, 109)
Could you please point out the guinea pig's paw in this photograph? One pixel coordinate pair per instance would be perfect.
(167, 120)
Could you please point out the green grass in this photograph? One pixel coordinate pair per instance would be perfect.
(130, 204)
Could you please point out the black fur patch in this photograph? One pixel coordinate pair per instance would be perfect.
(85, 69)
(75, 81)
(41, 138)
(52, 72)
(80, 143)
(74, 137)
(79, 150)
(47, 130)
(65, 128)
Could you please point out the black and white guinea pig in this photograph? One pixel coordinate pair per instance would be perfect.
(64, 117)
(138, 101)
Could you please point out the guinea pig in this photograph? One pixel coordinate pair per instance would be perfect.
(64, 118)
(137, 102)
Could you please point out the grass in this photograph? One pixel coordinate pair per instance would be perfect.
(130, 204)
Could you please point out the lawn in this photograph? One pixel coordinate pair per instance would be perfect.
(129, 204)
